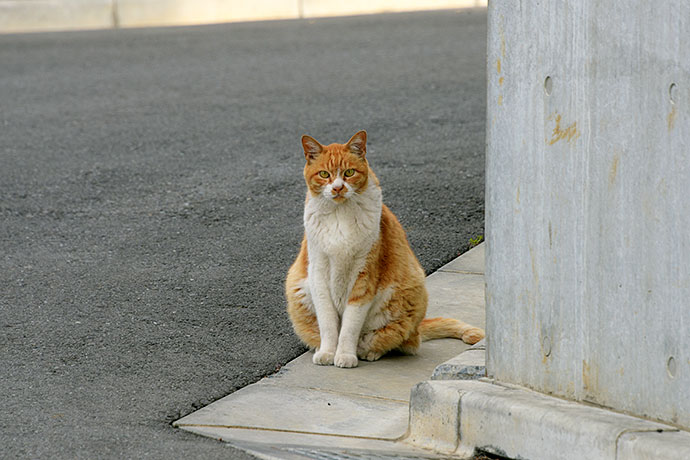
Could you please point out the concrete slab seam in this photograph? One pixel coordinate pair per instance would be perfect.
(274, 381)
(459, 272)
(279, 430)
(359, 395)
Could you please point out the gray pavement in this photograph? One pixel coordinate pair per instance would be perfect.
(150, 205)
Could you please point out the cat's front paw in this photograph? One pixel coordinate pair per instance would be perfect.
(473, 335)
(323, 358)
(345, 360)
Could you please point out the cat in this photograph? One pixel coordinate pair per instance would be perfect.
(356, 289)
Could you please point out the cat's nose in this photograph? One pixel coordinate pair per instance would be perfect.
(337, 188)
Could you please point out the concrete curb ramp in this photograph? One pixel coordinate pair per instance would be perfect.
(309, 411)
(460, 417)
(51, 15)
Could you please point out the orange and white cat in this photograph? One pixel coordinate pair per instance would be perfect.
(356, 289)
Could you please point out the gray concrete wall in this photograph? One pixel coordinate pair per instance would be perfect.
(44, 15)
(588, 202)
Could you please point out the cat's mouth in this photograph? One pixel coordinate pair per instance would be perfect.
(339, 197)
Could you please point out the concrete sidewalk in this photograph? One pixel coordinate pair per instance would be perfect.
(438, 404)
(308, 411)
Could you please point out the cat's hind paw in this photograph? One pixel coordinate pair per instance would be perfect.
(371, 356)
(345, 360)
(473, 335)
(323, 358)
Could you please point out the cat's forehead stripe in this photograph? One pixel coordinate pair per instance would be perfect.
(339, 160)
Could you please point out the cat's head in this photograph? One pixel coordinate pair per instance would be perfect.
(338, 171)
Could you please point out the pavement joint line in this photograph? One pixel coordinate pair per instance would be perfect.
(327, 390)
(360, 395)
(280, 430)
(459, 272)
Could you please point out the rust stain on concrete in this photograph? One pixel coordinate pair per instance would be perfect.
(671, 118)
(585, 374)
(570, 133)
(517, 195)
(501, 32)
(614, 169)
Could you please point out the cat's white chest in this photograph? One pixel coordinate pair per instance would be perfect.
(340, 233)
(341, 230)
(339, 239)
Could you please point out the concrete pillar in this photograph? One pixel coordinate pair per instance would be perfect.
(588, 202)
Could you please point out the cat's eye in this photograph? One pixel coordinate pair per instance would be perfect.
(349, 172)
(324, 174)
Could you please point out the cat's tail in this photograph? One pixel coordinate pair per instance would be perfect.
(440, 328)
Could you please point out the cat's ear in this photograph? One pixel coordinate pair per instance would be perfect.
(312, 148)
(358, 144)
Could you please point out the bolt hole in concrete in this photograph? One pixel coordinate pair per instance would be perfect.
(548, 85)
(546, 345)
(671, 367)
(673, 92)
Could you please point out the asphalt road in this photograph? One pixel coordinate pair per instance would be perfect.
(151, 199)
